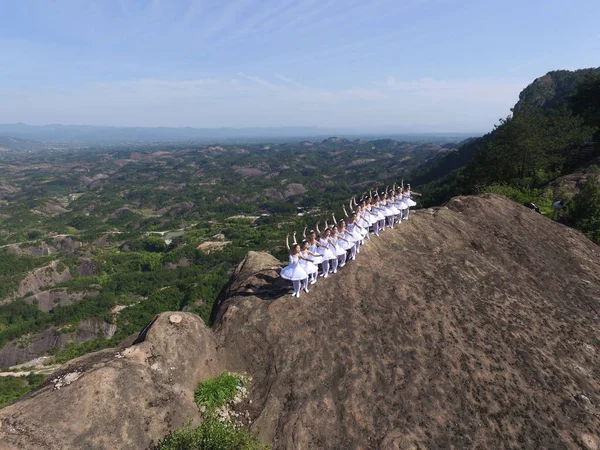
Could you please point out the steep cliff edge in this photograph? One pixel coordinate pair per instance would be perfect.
(471, 325)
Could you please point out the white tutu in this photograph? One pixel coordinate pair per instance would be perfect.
(343, 244)
(351, 236)
(308, 266)
(395, 210)
(325, 253)
(362, 222)
(314, 259)
(409, 202)
(294, 270)
(339, 249)
(402, 206)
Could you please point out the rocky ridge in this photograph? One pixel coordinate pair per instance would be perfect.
(471, 325)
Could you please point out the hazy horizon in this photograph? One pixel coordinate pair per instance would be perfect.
(415, 66)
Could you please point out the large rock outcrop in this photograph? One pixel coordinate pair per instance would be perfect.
(469, 326)
(118, 399)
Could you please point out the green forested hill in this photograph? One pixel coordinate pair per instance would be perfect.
(551, 90)
(550, 132)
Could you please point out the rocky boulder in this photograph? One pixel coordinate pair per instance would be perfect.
(126, 398)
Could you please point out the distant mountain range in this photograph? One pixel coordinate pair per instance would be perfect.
(91, 135)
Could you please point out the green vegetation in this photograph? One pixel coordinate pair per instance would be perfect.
(215, 433)
(521, 195)
(584, 208)
(13, 388)
(216, 392)
(212, 435)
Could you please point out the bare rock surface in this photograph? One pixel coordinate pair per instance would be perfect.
(469, 326)
(46, 300)
(125, 399)
(48, 275)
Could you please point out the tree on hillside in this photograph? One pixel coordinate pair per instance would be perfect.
(527, 145)
(584, 208)
(586, 100)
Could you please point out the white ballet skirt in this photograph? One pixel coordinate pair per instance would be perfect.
(400, 203)
(324, 251)
(409, 202)
(394, 208)
(340, 246)
(387, 210)
(380, 215)
(309, 267)
(314, 259)
(363, 223)
(360, 233)
(352, 236)
(294, 270)
(372, 218)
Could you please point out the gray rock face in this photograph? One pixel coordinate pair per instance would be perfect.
(48, 275)
(118, 399)
(39, 344)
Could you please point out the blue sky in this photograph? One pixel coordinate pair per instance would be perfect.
(410, 65)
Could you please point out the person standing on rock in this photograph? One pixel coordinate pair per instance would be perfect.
(400, 204)
(294, 271)
(407, 194)
(309, 263)
(361, 219)
(327, 250)
(342, 246)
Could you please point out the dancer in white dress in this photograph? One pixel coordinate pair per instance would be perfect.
(407, 194)
(310, 263)
(327, 250)
(361, 220)
(294, 271)
(351, 234)
(372, 216)
(380, 212)
(342, 246)
(390, 210)
(400, 204)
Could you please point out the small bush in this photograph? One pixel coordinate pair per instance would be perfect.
(216, 432)
(212, 435)
(217, 392)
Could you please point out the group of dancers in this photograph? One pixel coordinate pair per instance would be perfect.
(331, 248)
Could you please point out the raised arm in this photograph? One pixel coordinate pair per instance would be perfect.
(345, 212)
(295, 240)
(304, 232)
(317, 228)
(333, 216)
(287, 241)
